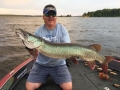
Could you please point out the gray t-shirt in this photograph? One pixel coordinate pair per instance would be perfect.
(58, 35)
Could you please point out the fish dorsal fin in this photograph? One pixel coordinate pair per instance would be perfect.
(96, 47)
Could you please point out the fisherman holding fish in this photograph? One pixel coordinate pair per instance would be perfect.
(53, 43)
(45, 66)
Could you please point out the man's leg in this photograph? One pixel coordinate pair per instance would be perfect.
(61, 76)
(37, 76)
(66, 86)
(32, 86)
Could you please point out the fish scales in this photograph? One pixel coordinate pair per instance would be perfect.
(69, 50)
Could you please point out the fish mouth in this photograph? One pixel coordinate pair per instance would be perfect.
(26, 38)
(22, 34)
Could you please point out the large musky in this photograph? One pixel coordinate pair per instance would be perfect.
(64, 7)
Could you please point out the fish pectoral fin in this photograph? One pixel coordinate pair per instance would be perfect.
(73, 59)
(91, 65)
(105, 64)
(96, 47)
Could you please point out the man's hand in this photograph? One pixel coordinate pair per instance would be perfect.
(33, 52)
(73, 59)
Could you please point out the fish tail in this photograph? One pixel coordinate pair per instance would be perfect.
(116, 59)
(105, 64)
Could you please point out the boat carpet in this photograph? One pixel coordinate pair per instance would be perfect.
(86, 79)
(83, 78)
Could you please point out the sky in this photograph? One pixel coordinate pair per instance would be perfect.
(64, 7)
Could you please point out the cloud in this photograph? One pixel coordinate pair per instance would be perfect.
(19, 12)
(16, 2)
(74, 7)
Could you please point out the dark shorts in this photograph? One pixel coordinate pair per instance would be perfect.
(39, 74)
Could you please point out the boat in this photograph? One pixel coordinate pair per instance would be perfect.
(83, 77)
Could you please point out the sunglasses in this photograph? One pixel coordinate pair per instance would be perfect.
(50, 14)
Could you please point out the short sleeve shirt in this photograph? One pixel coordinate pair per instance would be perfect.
(58, 35)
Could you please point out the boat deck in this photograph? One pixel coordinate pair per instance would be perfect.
(83, 79)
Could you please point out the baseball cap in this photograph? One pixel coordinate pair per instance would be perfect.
(48, 8)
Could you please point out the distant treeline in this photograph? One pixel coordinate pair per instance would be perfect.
(103, 13)
(69, 15)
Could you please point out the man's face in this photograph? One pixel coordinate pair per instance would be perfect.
(50, 18)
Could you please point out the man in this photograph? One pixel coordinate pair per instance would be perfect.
(45, 66)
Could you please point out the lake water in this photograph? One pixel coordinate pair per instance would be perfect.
(85, 31)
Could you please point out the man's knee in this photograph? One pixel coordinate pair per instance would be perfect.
(66, 86)
(32, 86)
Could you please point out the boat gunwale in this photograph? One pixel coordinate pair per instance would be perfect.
(4, 80)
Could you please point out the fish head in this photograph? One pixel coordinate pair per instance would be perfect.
(22, 34)
(28, 39)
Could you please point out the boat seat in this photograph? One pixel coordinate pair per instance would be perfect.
(49, 85)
